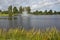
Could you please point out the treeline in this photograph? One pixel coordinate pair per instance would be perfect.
(20, 10)
(50, 12)
(14, 10)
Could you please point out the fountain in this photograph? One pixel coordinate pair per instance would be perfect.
(24, 12)
(25, 20)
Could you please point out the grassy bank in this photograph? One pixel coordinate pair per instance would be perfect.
(3, 14)
(18, 34)
(7, 14)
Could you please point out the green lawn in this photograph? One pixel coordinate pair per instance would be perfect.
(3, 14)
(7, 14)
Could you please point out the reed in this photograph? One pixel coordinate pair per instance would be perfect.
(18, 34)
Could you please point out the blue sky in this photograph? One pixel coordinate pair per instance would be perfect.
(34, 4)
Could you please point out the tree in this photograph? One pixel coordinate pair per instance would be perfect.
(10, 12)
(50, 12)
(0, 11)
(10, 15)
(28, 9)
(55, 12)
(15, 10)
(10, 8)
(36, 12)
(4, 12)
(45, 12)
(58, 12)
(40, 12)
(20, 9)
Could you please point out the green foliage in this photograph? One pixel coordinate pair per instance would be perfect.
(4, 12)
(0, 10)
(45, 12)
(10, 12)
(15, 10)
(50, 12)
(28, 9)
(20, 9)
(36, 12)
(10, 9)
(18, 34)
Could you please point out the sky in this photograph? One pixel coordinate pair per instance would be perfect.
(34, 4)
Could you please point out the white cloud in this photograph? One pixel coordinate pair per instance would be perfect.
(44, 3)
(58, 0)
(34, 4)
(0, 7)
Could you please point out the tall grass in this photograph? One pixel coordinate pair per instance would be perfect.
(18, 34)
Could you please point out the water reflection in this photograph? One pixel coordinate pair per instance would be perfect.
(31, 21)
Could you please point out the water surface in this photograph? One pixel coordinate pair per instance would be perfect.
(36, 21)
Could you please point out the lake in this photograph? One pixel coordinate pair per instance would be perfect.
(32, 21)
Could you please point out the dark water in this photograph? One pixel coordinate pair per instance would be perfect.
(28, 22)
